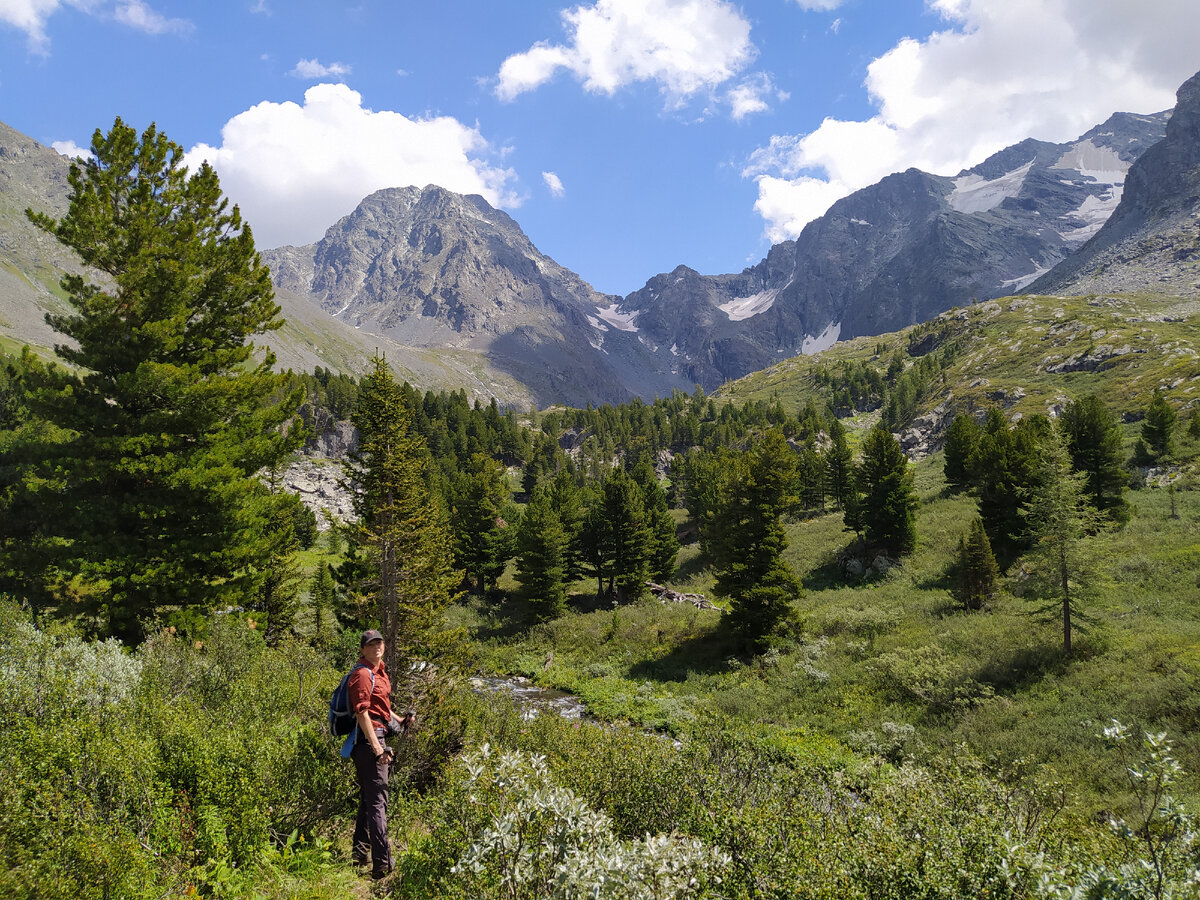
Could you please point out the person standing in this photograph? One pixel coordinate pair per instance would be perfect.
(370, 694)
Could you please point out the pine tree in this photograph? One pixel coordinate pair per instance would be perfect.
(1060, 562)
(147, 495)
(886, 506)
(1094, 442)
(402, 540)
(664, 544)
(962, 439)
(1158, 426)
(278, 595)
(976, 573)
(541, 557)
(1005, 469)
(482, 543)
(567, 502)
(323, 601)
(748, 540)
(839, 464)
(1194, 423)
(629, 527)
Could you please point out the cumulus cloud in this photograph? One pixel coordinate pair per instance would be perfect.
(684, 46)
(998, 73)
(313, 69)
(31, 17)
(295, 169)
(554, 183)
(71, 150)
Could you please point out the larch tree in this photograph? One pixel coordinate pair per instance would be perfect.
(142, 494)
(406, 567)
(1060, 564)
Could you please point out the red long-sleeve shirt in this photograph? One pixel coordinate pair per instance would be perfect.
(377, 701)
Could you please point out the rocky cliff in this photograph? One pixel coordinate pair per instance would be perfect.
(1152, 240)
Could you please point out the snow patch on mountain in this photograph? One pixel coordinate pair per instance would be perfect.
(1102, 164)
(823, 341)
(976, 194)
(622, 321)
(744, 307)
(1094, 211)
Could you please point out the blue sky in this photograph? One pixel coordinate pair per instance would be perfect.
(625, 136)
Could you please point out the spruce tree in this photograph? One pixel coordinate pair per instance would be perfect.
(403, 550)
(541, 557)
(1094, 442)
(482, 543)
(146, 497)
(748, 540)
(1158, 426)
(884, 483)
(664, 544)
(976, 573)
(839, 464)
(962, 439)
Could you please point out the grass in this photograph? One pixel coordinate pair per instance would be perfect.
(894, 651)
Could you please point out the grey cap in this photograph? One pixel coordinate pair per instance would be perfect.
(368, 636)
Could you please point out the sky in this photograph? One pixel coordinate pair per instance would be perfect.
(626, 137)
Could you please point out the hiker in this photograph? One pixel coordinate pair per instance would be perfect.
(370, 695)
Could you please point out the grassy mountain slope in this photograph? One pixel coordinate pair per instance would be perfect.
(1027, 354)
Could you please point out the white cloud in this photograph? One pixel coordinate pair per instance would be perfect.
(554, 183)
(819, 5)
(751, 96)
(71, 150)
(998, 73)
(31, 17)
(136, 14)
(313, 69)
(685, 46)
(294, 170)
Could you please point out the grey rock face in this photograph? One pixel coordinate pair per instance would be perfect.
(897, 253)
(431, 268)
(1152, 240)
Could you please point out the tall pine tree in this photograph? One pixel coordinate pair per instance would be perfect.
(1094, 442)
(147, 497)
(402, 539)
(541, 557)
(886, 505)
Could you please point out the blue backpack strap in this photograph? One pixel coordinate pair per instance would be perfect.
(352, 737)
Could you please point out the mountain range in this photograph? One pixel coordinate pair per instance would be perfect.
(455, 294)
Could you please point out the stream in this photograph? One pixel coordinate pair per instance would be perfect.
(530, 699)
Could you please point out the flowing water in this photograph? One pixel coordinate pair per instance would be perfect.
(530, 699)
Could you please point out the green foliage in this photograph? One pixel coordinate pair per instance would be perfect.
(962, 439)
(616, 537)
(145, 496)
(976, 574)
(482, 541)
(541, 840)
(1094, 442)
(1005, 470)
(748, 540)
(541, 557)
(406, 567)
(839, 467)
(1158, 426)
(885, 505)
(1060, 565)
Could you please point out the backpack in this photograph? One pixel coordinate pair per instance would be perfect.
(341, 716)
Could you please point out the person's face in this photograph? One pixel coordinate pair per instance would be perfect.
(373, 651)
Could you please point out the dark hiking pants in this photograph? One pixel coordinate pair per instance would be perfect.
(370, 825)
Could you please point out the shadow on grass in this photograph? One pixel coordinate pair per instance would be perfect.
(1019, 669)
(703, 654)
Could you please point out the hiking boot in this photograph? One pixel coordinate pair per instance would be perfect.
(379, 874)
